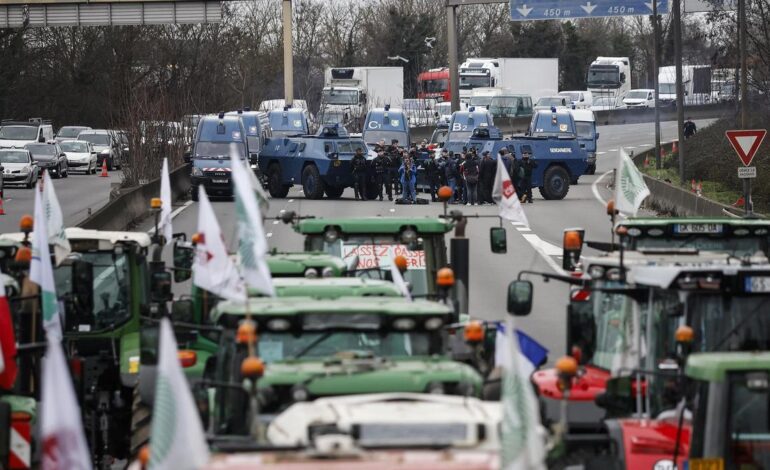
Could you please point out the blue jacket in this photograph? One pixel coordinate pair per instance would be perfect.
(412, 174)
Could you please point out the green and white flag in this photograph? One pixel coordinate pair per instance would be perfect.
(177, 440)
(41, 270)
(165, 224)
(52, 210)
(522, 445)
(252, 243)
(630, 188)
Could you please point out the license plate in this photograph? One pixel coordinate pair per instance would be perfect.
(757, 284)
(706, 464)
(697, 228)
(220, 181)
(337, 163)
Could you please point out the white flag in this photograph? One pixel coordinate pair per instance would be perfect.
(213, 270)
(252, 243)
(262, 196)
(64, 444)
(522, 444)
(398, 280)
(504, 194)
(177, 440)
(41, 270)
(164, 224)
(630, 188)
(55, 223)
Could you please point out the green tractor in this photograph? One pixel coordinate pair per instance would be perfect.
(326, 347)
(731, 425)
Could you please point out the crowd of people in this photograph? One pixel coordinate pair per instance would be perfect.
(470, 176)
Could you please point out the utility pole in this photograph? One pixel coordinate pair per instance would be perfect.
(288, 60)
(655, 84)
(451, 35)
(743, 48)
(679, 85)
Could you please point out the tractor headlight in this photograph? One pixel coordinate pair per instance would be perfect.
(299, 393)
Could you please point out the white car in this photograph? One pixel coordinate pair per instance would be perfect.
(606, 103)
(549, 102)
(642, 98)
(579, 99)
(70, 132)
(80, 155)
(18, 167)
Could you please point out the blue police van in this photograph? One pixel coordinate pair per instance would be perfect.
(218, 138)
(320, 162)
(289, 122)
(386, 124)
(462, 124)
(585, 124)
(257, 128)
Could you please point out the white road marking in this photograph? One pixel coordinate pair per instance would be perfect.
(545, 250)
(600, 153)
(175, 213)
(275, 222)
(595, 190)
(269, 234)
(612, 150)
(523, 229)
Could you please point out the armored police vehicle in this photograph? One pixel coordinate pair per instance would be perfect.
(289, 122)
(218, 138)
(462, 125)
(257, 127)
(560, 161)
(320, 163)
(585, 125)
(386, 124)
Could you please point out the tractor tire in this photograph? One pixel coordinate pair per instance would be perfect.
(274, 180)
(141, 424)
(312, 185)
(555, 183)
(334, 192)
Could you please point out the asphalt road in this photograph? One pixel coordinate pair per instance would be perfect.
(536, 248)
(77, 194)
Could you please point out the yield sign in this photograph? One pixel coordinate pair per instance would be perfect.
(746, 143)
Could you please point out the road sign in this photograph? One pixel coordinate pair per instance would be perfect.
(524, 10)
(747, 172)
(746, 143)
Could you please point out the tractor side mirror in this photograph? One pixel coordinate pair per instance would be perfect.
(497, 240)
(182, 311)
(520, 298)
(184, 255)
(83, 285)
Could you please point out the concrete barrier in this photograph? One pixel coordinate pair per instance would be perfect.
(133, 204)
(670, 199)
(606, 118)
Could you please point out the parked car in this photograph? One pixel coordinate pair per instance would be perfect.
(49, 157)
(18, 167)
(70, 132)
(606, 103)
(80, 155)
(105, 145)
(642, 98)
(17, 134)
(548, 102)
(579, 99)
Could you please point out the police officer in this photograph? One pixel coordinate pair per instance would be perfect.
(432, 174)
(526, 167)
(358, 165)
(394, 156)
(408, 175)
(487, 171)
(381, 164)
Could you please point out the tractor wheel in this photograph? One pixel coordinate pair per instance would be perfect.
(275, 185)
(141, 423)
(555, 183)
(334, 192)
(312, 185)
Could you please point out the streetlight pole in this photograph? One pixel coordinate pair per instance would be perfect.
(451, 36)
(655, 83)
(743, 47)
(679, 86)
(288, 60)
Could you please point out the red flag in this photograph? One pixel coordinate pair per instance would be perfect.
(8, 368)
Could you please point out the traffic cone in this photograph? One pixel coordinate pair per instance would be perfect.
(674, 147)
(740, 202)
(104, 169)
(2, 211)
(646, 161)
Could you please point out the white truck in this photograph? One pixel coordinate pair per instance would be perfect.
(349, 92)
(696, 81)
(609, 78)
(533, 77)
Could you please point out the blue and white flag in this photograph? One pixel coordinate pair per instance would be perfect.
(532, 353)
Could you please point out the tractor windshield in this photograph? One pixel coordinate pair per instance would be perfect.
(730, 323)
(275, 347)
(110, 290)
(375, 254)
(748, 433)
